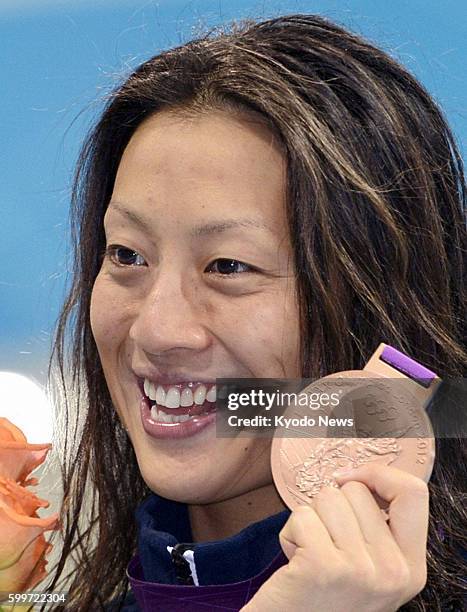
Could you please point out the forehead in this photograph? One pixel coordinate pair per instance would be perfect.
(218, 137)
(174, 164)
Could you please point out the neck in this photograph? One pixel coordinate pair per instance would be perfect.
(211, 522)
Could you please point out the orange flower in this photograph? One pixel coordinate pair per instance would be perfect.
(22, 543)
(17, 457)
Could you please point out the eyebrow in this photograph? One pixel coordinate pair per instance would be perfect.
(214, 227)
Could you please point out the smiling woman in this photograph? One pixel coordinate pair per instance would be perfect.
(256, 204)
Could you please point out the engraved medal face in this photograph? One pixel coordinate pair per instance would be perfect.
(389, 427)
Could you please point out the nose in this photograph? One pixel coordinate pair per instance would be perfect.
(169, 318)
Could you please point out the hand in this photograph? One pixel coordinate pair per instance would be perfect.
(342, 553)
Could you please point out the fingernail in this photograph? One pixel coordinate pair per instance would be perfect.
(343, 471)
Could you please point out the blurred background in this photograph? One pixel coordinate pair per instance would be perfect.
(58, 61)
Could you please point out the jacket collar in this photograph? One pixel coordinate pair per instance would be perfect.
(163, 523)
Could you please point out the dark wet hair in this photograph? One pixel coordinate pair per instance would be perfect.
(376, 209)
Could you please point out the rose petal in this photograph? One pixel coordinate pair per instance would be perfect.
(25, 574)
(30, 482)
(10, 432)
(21, 530)
(20, 499)
(18, 460)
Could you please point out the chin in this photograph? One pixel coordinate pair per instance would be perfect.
(186, 491)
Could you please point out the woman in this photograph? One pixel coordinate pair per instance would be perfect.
(268, 202)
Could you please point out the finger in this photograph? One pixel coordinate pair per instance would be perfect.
(369, 516)
(408, 501)
(304, 529)
(335, 511)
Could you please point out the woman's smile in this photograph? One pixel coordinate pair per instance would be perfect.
(177, 410)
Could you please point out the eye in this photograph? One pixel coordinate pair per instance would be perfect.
(229, 267)
(123, 257)
(127, 258)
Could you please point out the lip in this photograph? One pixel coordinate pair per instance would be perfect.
(186, 429)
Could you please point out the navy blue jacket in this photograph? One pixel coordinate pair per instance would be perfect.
(170, 573)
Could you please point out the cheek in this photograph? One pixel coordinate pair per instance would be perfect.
(104, 314)
(267, 329)
(291, 337)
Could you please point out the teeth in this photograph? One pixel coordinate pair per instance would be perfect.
(186, 398)
(150, 389)
(223, 392)
(162, 417)
(200, 395)
(160, 396)
(172, 399)
(183, 417)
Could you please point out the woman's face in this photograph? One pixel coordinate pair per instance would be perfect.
(174, 308)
